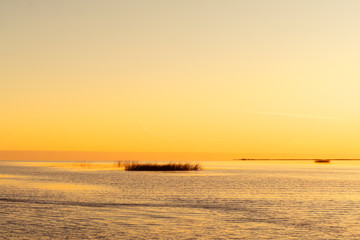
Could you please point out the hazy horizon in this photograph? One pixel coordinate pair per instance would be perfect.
(153, 156)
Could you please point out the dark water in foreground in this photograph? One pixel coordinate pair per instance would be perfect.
(228, 200)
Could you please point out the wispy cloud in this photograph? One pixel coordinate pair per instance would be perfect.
(294, 115)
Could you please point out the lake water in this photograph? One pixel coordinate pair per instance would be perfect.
(227, 200)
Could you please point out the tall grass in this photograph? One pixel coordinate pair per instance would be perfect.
(84, 164)
(135, 166)
(119, 164)
(322, 160)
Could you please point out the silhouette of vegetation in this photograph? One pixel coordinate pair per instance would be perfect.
(322, 160)
(119, 164)
(134, 166)
(85, 164)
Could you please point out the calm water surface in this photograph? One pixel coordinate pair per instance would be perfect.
(227, 200)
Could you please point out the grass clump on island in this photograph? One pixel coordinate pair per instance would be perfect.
(135, 166)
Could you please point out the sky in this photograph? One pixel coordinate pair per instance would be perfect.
(252, 76)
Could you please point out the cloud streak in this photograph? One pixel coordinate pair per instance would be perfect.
(294, 115)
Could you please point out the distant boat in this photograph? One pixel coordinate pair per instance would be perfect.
(322, 160)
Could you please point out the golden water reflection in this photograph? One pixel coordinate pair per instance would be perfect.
(73, 166)
(19, 181)
(239, 199)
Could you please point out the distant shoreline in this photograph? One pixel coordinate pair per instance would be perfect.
(296, 159)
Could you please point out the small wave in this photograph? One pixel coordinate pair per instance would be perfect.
(72, 203)
(100, 205)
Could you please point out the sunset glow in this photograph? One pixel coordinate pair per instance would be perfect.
(240, 78)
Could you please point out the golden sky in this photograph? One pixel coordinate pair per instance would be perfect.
(251, 76)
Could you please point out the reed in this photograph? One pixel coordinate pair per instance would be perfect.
(134, 166)
(119, 164)
(85, 164)
(322, 160)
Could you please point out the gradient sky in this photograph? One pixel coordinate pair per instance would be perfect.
(251, 76)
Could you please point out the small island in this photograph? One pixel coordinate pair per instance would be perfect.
(134, 166)
(322, 160)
